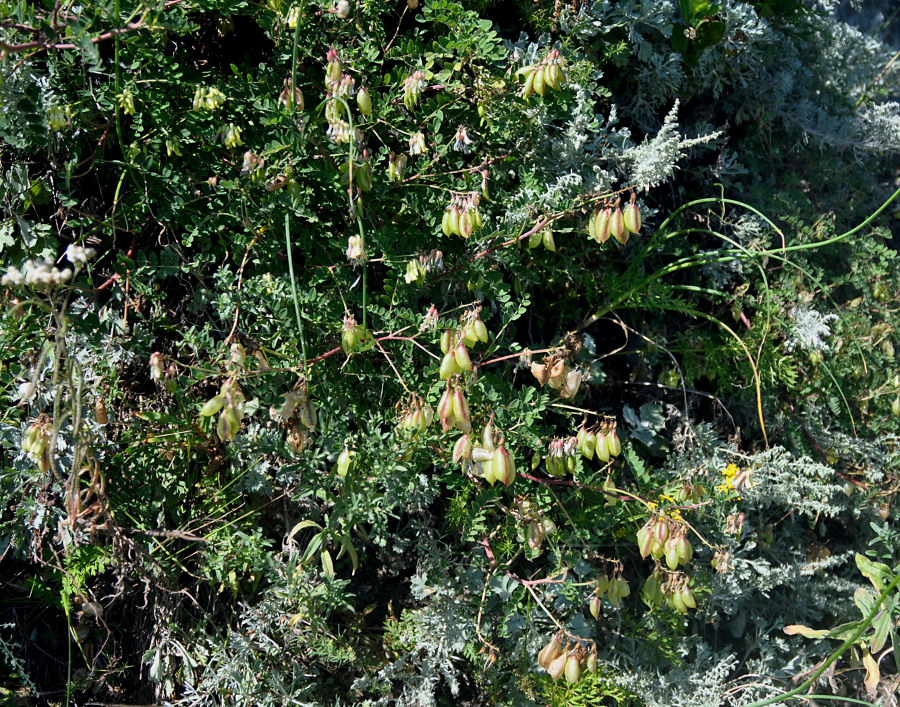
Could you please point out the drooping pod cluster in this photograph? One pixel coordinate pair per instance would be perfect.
(670, 588)
(555, 372)
(415, 417)
(453, 408)
(534, 525)
(610, 220)
(353, 334)
(561, 456)
(602, 442)
(456, 356)
(614, 588)
(661, 538)
(36, 442)
(418, 268)
(474, 330)
(462, 217)
(229, 405)
(547, 72)
(412, 89)
(566, 661)
(489, 458)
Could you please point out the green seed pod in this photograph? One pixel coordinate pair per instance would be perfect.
(612, 440)
(590, 444)
(672, 559)
(461, 411)
(462, 449)
(449, 366)
(446, 341)
(603, 224)
(224, 429)
(462, 357)
(573, 669)
(594, 606)
(645, 541)
(547, 239)
(632, 217)
(528, 88)
(540, 80)
(895, 406)
(684, 549)
(481, 331)
(487, 437)
(364, 101)
(592, 663)
(660, 531)
(212, 406)
(617, 226)
(688, 599)
(554, 75)
(601, 447)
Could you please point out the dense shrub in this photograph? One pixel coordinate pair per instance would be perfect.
(353, 354)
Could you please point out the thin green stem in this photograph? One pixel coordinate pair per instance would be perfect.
(287, 239)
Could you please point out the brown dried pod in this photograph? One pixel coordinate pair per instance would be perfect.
(550, 652)
(100, 413)
(539, 371)
(557, 666)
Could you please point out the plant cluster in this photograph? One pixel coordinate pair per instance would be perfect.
(418, 354)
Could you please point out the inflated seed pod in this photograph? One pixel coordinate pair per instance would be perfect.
(602, 225)
(364, 101)
(632, 217)
(645, 541)
(462, 449)
(462, 357)
(100, 413)
(617, 226)
(594, 605)
(550, 652)
(573, 668)
(557, 666)
(449, 366)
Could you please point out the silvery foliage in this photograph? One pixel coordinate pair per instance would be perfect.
(810, 330)
(438, 633)
(654, 161)
(698, 683)
(780, 479)
(818, 59)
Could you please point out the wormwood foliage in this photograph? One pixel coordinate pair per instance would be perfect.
(441, 352)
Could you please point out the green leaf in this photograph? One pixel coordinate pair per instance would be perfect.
(795, 629)
(327, 564)
(882, 628)
(301, 525)
(877, 573)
